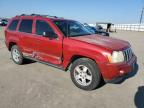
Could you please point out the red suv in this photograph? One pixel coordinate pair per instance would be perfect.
(67, 44)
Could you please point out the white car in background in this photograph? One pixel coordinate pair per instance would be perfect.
(3, 22)
(0, 21)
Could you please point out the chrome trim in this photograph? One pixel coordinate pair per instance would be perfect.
(128, 54)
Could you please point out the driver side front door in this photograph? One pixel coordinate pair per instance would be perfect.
(48, 50)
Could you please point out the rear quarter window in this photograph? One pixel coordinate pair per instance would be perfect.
(13, 25)
(26, 26)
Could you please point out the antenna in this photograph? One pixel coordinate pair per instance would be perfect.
(141, 17)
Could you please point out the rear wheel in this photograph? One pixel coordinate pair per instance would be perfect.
(85, 74)
(16, 54)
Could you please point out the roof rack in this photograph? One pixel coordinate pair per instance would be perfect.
(48, 16)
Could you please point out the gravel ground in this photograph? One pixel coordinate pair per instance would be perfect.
(35, 85)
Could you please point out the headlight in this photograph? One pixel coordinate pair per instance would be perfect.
(116, 57)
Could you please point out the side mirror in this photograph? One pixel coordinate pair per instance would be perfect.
(50, 35)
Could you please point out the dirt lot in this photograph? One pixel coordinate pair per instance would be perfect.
(35, 85)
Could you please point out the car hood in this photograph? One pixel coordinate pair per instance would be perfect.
(103, 41)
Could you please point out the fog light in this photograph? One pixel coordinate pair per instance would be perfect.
(121, 72)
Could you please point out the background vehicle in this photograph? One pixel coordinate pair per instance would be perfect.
(94, 30)
(67, 44)
(104, 26)
(3, 22)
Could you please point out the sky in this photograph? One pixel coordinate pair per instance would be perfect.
(89, 11)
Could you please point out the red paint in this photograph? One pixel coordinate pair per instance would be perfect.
(52, 51)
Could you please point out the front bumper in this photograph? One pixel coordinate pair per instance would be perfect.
(113, 72)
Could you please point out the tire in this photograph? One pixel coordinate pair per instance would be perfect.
(85, 74)
(17, 55)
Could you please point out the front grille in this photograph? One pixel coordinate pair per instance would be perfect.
(128, 54)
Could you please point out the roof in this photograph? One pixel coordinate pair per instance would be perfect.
(39, 15)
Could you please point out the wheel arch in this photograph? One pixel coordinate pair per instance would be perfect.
(76, 57)
(11, 44)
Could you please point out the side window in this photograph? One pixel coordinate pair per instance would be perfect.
(13, 25)
(42, 26)
(26, 26)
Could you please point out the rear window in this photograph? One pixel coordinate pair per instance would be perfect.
(26, 26)
(13, 25)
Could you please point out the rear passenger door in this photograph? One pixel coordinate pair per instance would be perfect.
(48, 50)
(26, 37)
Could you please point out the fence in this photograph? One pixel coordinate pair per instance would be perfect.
(131, 27)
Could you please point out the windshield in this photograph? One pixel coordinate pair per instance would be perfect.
(71, 28)
(90, 29)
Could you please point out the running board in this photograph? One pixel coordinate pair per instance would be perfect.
(46, 63)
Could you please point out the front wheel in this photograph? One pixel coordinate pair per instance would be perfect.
(85, 74)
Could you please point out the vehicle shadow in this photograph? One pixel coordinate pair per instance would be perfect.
(28, 61)
(102, 83)
(139, 97)
(130, 74)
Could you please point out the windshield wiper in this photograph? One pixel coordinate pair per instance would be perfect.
(80, 35)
